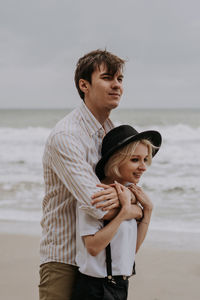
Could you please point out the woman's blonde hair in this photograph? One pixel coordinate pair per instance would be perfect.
(112, 166)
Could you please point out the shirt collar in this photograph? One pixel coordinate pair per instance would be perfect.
(92, 124)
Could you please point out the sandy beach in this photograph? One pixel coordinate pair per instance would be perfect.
(161, 274)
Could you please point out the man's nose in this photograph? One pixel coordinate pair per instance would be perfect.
(116, 84)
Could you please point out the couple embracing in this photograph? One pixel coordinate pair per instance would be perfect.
(95, 217)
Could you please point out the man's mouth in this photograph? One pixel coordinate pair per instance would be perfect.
(114, 94)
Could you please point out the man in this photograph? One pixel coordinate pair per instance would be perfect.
(71, 153)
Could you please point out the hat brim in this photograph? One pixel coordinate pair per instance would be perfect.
(153, 136)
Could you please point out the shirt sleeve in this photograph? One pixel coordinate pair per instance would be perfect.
(87, 224)
(70, 165)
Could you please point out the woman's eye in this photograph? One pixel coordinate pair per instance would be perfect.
(134, 159)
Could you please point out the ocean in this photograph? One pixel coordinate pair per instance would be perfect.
(172, 182)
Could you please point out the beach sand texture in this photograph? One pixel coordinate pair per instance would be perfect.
(161, 274)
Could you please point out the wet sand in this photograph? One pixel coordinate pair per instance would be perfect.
(161, 274)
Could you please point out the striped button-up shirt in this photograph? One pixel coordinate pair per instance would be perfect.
(71, 153)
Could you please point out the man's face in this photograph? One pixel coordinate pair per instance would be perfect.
(105, 90)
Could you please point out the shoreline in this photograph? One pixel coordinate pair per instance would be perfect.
(162, 239)
(162, 273)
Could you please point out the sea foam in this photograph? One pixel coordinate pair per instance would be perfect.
(172, 182)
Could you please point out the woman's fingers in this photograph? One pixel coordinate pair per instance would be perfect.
(118, 187)
(135, 189)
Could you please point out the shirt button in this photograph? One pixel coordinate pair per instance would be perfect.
(101, 133)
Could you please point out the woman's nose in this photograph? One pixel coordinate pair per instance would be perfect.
(143, 166)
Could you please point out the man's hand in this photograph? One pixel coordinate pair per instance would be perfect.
(106, 199)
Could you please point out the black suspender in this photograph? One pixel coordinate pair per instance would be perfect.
(109, 260)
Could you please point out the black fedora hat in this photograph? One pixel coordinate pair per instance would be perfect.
(120, 136)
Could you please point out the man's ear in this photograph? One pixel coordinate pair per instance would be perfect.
(83, 85)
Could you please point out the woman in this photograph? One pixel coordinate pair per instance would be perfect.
(103, 274)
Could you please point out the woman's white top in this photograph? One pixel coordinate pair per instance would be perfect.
(123, 247)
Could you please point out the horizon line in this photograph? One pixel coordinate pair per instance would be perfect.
(119, 108)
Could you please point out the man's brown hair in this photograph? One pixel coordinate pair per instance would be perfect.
(87, 64)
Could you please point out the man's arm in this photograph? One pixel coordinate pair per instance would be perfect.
(68, 160)
(112, 206)
(99, 198)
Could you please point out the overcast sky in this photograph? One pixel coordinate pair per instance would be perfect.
(41, 41)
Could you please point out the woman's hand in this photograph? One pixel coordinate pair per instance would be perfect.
(133, 198)
(124, 194)
(128, 210)
(142, 198)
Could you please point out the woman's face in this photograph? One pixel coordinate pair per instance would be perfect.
(132, 169)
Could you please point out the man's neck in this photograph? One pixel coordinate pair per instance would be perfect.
(100, 115)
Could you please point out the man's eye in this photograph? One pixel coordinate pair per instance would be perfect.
(146, 159)
(120, 79)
